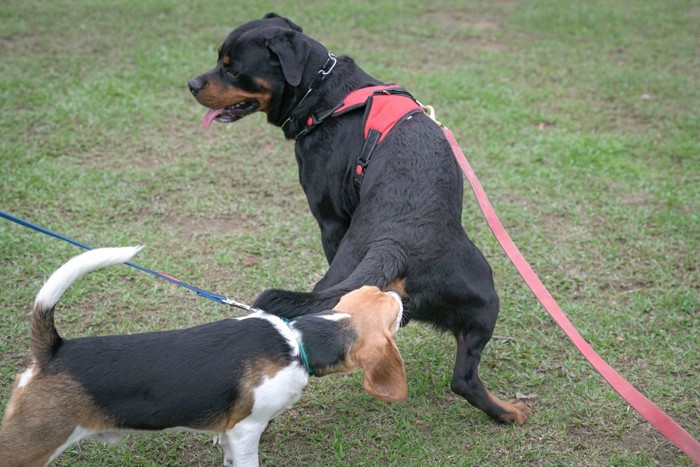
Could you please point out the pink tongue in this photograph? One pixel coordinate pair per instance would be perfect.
(210, 116)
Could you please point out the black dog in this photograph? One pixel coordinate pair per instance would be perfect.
(400, 220)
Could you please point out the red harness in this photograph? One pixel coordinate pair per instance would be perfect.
(385, 106)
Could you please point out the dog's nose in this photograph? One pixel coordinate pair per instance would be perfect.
(195, 85)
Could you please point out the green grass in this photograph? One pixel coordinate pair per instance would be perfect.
(581, 118)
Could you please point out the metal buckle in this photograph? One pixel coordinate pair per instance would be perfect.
(323, 72)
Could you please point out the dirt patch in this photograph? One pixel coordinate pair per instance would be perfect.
(29, 43)
(644, 434)
(465, 38)
(465, 30)
(194, 227)
(449, 21)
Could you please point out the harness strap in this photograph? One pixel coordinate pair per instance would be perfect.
(385, 106)
(371, 140)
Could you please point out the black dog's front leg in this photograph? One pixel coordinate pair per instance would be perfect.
(382, 264)
(290, 304)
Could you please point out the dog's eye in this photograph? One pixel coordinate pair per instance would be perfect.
(232, 72)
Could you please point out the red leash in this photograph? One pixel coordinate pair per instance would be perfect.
(647, 409)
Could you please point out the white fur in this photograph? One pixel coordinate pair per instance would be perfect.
(26, 377)
(272, 397)
(292, 335)
(397, 297)
(335, 316)
(110, 437)
(79, 433)
(293, 339)
(76, 267)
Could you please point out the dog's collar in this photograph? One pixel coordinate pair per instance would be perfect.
(302, 350)
(318, 80)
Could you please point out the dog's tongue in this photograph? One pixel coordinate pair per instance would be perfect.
(210, 116)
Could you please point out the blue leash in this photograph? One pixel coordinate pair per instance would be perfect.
(203, 293)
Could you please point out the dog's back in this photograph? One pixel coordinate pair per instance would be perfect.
(211, 377)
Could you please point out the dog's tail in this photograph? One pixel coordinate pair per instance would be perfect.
(45, 338)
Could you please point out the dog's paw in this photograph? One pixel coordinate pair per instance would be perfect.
(518, 411)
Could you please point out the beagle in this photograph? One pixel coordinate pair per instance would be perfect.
(231, 377)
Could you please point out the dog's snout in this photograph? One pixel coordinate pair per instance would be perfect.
(196, 85)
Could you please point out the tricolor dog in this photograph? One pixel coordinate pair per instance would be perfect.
(230, 377)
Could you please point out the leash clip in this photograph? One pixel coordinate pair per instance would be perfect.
(242, 306)
(429, 110)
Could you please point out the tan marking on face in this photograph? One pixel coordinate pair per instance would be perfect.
(227, 60)
(398, 285)
(218, 94)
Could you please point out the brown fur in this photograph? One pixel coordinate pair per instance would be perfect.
(222, 96)
(44, 336)
(41, 416)
(243, 407)
(375, 350)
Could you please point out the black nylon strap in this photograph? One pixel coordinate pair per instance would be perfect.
(318, 118)
(367, 150)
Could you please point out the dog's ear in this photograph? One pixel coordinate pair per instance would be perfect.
(292, 51)
(384, 370)
(289, 22)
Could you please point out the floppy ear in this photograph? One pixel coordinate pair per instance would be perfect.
(384, 371)
(293, 53)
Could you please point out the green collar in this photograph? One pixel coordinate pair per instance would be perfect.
(302, 350)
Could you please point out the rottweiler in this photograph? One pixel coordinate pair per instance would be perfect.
(400, 224)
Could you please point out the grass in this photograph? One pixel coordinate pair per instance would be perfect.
(580, 118)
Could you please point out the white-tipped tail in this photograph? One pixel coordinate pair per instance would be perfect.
(75, 267)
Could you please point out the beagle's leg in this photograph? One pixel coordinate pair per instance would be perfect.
(241, 442)
(222, 440)
(111, 438)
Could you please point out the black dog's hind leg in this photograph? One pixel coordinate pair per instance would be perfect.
(467, 383)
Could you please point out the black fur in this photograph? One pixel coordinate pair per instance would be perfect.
(326, 342)
(189, 377)
(159, 380)
(404, 221)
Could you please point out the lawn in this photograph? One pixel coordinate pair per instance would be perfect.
(580, 118)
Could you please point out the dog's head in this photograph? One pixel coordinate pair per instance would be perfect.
(376, 317)
(257, 65)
